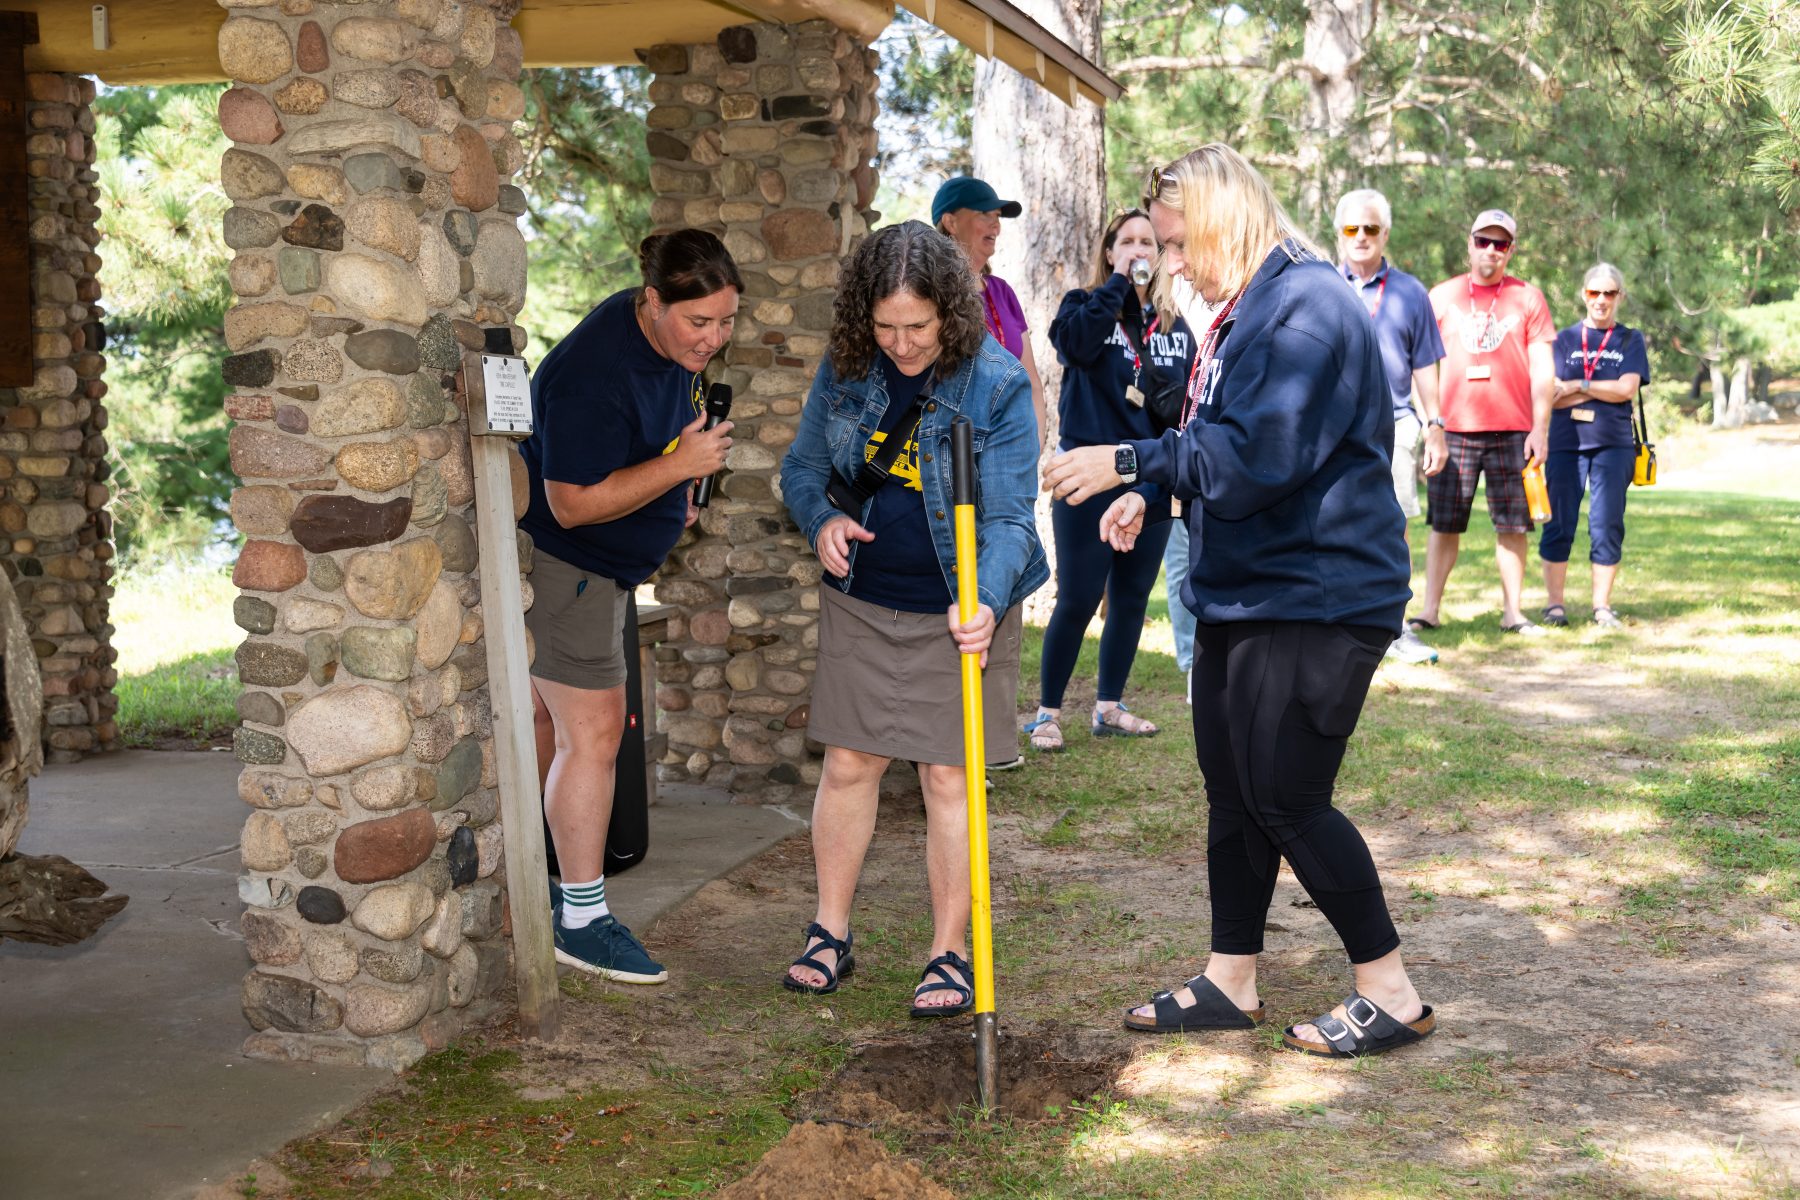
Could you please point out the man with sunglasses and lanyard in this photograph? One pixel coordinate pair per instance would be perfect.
(1497, 385)
(1411, 346)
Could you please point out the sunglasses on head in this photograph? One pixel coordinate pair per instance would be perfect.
(1349, 231)
(1489, 243)
(1596, 293)
(1159, 180)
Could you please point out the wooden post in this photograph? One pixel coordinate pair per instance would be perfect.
(17, 31)
(515, 745)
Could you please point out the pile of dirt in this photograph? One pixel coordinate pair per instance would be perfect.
(832, 1162)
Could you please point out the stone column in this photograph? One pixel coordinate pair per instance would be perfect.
(376, 237)
(58, 535)
(764, 138)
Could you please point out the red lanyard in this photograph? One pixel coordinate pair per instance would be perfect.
(1136, 362)
(993, 314)
(1209, 346)
(1589, 362)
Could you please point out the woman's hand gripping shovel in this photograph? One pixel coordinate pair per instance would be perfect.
(987, 1035)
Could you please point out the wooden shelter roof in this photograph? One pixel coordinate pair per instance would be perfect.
(176, 41)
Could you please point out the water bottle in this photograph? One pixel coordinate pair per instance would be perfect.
(1537, 494)
(1140, 272)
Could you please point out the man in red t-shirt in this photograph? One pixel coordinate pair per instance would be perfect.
(1496, 384)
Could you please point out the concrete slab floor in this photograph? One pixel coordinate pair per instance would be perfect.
(120, 1072)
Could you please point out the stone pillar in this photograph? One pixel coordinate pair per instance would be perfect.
(765, 138)
(376, 237)
(57, 548)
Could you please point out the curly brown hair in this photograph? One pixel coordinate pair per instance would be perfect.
(915, 259)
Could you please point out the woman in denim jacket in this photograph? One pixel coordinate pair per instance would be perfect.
(909, 352)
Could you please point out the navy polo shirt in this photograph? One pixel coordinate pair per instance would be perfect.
(604, 399)
(1405, 326)
(1623, 354)
(900, 568)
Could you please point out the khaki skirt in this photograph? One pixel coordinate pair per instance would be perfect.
(890, 683)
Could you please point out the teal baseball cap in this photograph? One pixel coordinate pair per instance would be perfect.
(965, 191)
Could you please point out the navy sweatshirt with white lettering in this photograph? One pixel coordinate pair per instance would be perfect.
(1284, 474)
(1097, 363)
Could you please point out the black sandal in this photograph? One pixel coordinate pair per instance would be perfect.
(1421, 625)
(846, 962)
(945, 982)
(1555, 616)
(1211, 1009)
(1365, 1030)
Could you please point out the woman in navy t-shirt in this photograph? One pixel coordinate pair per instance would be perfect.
(1600, 365)
(618, 442)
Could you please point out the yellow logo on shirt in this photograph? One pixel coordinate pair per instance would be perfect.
(906, 463)
(698, 400)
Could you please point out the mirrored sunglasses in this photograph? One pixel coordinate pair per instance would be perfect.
(1596, 293)
(1350, 231)
(1488, 243)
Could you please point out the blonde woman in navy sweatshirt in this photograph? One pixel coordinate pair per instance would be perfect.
(1298, 577)
(1110, 340)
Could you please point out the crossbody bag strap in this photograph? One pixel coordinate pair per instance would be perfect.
(1643, 430)
(875, 469)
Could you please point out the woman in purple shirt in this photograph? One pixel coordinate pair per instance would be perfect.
(969, 212)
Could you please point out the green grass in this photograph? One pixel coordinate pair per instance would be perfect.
(175, 637)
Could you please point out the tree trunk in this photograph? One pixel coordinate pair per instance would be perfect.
(1331, 61)
(1740, 392)
(1031, 146)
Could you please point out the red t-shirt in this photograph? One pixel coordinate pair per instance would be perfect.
(1485, 383)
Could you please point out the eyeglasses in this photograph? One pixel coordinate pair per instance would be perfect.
(1596, 293)
(1488, 243)
(1159, 179)
(1349, 231)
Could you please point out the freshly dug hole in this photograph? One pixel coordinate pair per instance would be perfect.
(899, 1081)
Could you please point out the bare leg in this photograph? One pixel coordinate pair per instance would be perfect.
(843, 824)
(578, 787)
(544, 732)
(946, 866)
(1509, 552)
(1555, 576)
(1385, 983)
(1440, 556)
(1604, 578)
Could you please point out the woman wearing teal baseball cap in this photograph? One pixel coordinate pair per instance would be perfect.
(968, 210)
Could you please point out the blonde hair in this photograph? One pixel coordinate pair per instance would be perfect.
(1232, 216)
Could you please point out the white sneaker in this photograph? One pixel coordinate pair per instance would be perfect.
(1407, 648)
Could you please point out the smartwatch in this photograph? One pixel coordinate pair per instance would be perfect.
(1436, 422)
(1125, 462)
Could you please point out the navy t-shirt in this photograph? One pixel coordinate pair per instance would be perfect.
(601, 400)
(900, 568)
(1623, 354)
(1405, 325)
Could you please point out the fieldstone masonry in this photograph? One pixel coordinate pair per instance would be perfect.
(764, 138)
(377, 246)
(57, 534)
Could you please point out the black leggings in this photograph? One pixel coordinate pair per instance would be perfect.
(1274, 706)
(1086, 567)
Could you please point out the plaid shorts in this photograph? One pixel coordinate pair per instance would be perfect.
(1450, 494)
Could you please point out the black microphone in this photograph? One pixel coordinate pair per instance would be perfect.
(718, 407)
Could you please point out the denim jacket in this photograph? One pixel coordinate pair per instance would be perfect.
(992, 390)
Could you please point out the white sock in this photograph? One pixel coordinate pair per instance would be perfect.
(584, 903)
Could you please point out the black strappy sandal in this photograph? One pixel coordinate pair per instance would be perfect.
(1211, 1009)
(1421, 625)
(945, 982)
(846, 962)
(1365, 1030)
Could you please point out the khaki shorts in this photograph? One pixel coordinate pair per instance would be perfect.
(1406, 463)
(890, 683)
(577, 620)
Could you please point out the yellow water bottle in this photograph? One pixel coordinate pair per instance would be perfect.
(1537, 494)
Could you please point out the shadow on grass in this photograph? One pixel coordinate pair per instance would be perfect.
(189, 702)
